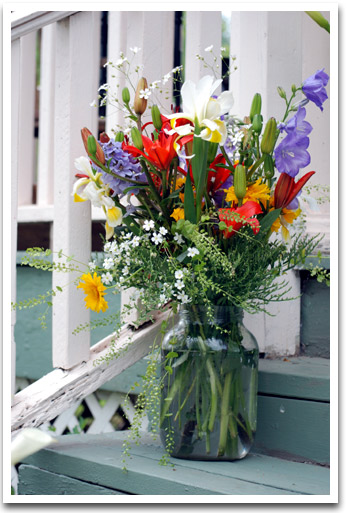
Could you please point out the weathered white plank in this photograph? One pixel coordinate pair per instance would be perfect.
(15, 98)
(203, 29)
(45, 213)
(57, 391)
(77, 73)
(26, 142)
(45, 192)
(22, 25)
(279, 335)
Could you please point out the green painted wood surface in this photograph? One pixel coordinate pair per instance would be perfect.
(301, 377)
(97, 459)
(34, 344)
(293, 429)
(315, 318)
(35, 481)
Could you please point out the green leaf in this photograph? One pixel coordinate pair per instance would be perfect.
(168, 369)
(189, 201)
(59, 288)
(172, 354)
(267, 221)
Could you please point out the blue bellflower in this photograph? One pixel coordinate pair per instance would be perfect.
(314, 88)
(291, 154)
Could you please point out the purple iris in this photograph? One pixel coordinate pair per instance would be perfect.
(220, 195)
(291, 154)
(122, 164)
(314, 88)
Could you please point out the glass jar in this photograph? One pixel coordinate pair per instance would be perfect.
(209, 395)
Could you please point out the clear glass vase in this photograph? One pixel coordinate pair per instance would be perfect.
(209, 395)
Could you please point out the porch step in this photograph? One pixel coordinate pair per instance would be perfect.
(92, 465)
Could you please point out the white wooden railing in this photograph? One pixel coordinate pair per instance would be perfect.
(272, 48)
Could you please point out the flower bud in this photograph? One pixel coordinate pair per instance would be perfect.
(140, 104)
(98, 153)
(125, 95)
(281, 92)
(104, 138)
(156, 117)
(257, 123)
(293, 88)
(119, 137)
(239, 182)
(268, 167)
(136, 138)
(255, 106)
(269, 136)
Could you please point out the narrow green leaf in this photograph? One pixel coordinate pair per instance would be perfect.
(267, 221)
(189, 201)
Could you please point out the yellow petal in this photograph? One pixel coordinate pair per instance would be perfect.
(114, 216)
(109, 231)
(78, 198)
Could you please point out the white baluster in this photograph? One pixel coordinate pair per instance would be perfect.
(26, 155)
(77, 73)
(45, 193)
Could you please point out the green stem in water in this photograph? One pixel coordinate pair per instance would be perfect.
(224, 414)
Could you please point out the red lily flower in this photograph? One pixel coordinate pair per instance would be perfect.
(240, 216)
(286, 189)
(159, 152)
(217, 177)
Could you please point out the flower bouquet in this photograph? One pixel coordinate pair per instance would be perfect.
(199, 206)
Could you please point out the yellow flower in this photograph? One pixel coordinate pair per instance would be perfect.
(287, 217)
(179, 183)
(178, 213)
(255, 192)
(94, 290)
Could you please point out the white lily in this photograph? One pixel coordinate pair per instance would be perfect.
(28, 442)
(200, 107)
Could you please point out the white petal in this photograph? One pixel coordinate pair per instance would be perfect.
(82, 164)
(213, 109)
(28, 442)
(226, 101)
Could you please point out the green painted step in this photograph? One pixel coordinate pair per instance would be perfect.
(97, 460)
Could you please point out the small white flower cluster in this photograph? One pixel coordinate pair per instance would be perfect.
(156, 83)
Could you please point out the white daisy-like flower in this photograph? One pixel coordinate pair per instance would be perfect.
(144, 93)
(136, 241)
(209, 48)
(183, 298)
(135, 49)
(223, 49)
(163, 230)
(92, 266)
(179, 238)
(120, 61)
(149, 225)
(107, 247)
(163, 298)
(191, 252)
(179, 275)
(165, 78)
(125, 271)
(154, 84)
(108, 263)
(93, 104)
(157, 238)
(106, 278)
(180, 284)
